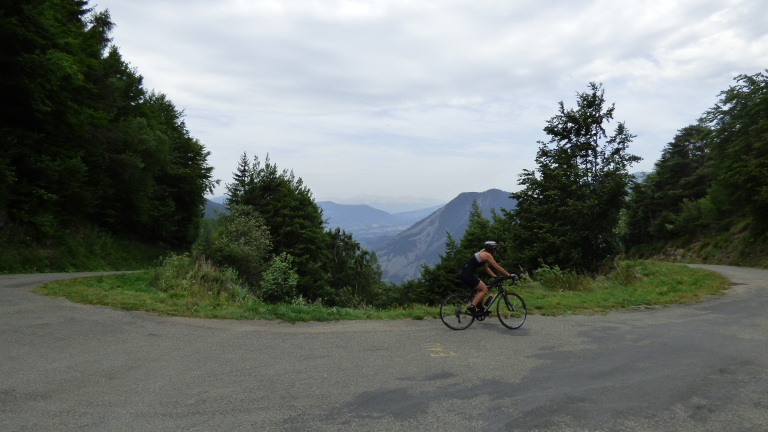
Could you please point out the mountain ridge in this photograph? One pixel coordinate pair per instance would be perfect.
(369, 226)
(401, 257)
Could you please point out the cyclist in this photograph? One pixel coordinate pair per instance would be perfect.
(483, 257)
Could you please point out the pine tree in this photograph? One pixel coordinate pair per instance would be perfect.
(83, 142)
(680, 176)
(568, 209)
(242, 179)
(739, 146)
(295, 222)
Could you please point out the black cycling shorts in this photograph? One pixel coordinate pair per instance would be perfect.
(469, 278)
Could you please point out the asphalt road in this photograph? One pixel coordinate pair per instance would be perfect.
(697, 367)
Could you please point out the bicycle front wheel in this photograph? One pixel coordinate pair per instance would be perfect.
(511, 310)
(454, 313)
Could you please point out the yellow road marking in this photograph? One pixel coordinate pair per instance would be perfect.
(440, 350)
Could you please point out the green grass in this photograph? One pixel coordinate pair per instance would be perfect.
(661, 284)
(657, 284)
(133, 291)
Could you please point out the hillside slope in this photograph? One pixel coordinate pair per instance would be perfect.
(401, 258)
(211, 207)
(370, 226)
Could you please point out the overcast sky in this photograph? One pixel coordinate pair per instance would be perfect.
(429, 98)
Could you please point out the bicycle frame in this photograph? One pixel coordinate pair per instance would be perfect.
(499, 292)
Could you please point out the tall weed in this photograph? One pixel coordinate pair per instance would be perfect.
(197, 278)
(629, 272)
(555, 279)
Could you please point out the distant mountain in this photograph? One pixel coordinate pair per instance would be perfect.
(391, 205)
(345, 215)
(411, 217)
(369, 226)
(211, 207)
(401, 257)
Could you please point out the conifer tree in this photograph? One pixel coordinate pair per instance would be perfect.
(568, 209)
(295, 222)
(739, 146)
(83, 141)
(681, 175)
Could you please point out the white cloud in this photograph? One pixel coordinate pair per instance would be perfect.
(429, 98)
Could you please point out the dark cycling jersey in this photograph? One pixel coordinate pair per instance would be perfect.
(467, 272)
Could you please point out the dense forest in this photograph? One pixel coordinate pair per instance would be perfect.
(84, 145)
(708, 193)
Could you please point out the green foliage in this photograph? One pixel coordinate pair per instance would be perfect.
(209, 229)
(568, 209)
(242, 243)
(355, 273)
(83, 142)
(555, 279)
(184, 276)
(294, 221)
(279, 281)
(330, 265)
(739, 149)
(670, 201)
(81, 248)
(710, 178)
(442, 279)
(630, 272)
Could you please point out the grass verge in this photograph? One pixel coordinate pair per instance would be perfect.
(133, 291)
(654, 284)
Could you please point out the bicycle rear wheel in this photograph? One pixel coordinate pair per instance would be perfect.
(511, 310)
(454, 313)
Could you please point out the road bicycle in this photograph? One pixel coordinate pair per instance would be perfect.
(510, 307)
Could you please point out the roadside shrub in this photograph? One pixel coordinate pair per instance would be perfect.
(278, 283)
(198, 278)
(81, 248)
(209, 230)
(242, 243)
(555, 279)
(346, 297)
(630, 272)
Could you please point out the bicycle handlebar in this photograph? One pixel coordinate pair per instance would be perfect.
(499, 279)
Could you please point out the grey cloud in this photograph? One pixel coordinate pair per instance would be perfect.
(426, 78)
